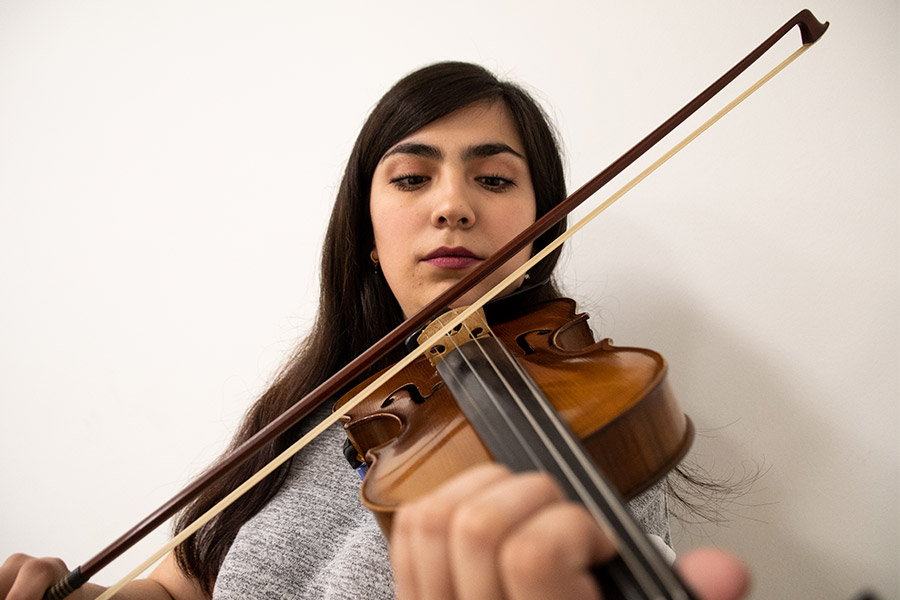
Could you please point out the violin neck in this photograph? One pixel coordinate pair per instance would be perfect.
(524, 432)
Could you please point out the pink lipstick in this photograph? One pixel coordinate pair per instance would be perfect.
(452, 258)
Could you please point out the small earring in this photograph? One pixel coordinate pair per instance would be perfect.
(373, 255)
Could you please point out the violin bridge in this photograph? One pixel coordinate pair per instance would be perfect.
(475, 327)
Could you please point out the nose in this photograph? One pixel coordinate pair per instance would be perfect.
(453, 207)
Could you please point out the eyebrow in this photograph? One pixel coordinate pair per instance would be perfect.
(486, 150)
(434, 153)
(423, 150)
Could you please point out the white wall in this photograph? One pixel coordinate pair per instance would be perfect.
(166, 169)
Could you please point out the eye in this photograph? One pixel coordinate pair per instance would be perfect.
(495, 183)
(409, 182)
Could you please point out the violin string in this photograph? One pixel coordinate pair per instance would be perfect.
(523, 445)
(636, 542)
(405, 361)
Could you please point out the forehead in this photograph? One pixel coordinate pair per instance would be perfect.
(478, 123)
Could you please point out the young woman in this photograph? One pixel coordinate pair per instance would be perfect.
(450, 165)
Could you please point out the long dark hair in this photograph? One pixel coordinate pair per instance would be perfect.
(355, 304)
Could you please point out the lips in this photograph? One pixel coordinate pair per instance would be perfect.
(452, 258)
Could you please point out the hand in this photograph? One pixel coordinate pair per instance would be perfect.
(491, 534)
(24, 577)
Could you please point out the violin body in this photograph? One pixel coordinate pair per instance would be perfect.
(413, 435)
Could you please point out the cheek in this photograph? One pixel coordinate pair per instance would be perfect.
(511, 222)
(392, 233)
(513, 228)
(382, 223)
(395, 235)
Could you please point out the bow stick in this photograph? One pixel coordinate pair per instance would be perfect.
(810, 31)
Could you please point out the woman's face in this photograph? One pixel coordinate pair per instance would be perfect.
(447, 197)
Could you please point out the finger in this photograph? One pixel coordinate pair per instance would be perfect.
(10, 570)
(714, 575)
(481, 524)
(34, 576)
(419, 550)
(551, 555)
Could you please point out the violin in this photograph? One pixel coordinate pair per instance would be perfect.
(810, 29)
(414, 433)
(497, 393)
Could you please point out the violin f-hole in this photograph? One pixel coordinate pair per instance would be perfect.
(523, 343)
(414, 394)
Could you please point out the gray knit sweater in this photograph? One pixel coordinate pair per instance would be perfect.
(315, 540)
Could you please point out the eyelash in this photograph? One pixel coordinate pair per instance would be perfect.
(504, 184)
(402, 182)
